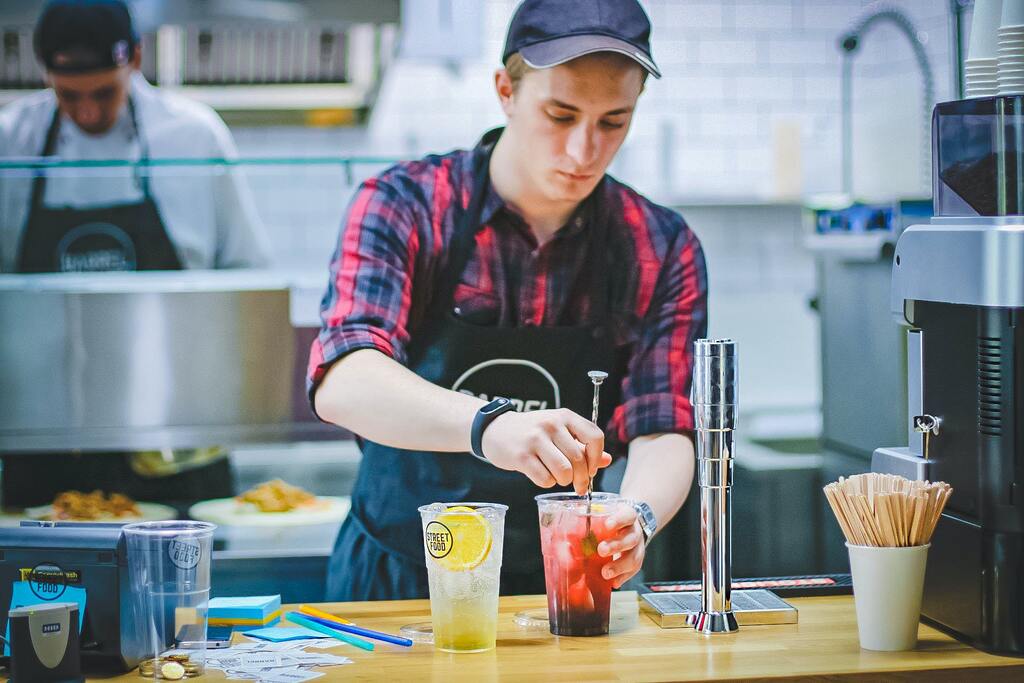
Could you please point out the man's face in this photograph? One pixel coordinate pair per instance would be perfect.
(93, 100)
(570, 121)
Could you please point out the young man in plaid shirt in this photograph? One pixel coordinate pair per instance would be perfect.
(471, 293)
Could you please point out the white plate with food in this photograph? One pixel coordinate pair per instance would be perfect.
(229, 512)
(277, 516)
(76, 506)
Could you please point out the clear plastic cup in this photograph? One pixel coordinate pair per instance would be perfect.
(462, 544)
(169, 566)
(579, 597)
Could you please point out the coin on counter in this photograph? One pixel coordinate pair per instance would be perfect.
(176, 658)
(172, 671)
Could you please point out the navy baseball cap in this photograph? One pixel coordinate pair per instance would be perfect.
(551, 32)
(76, 36)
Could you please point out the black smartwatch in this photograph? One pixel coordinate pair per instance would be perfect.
(483, 418)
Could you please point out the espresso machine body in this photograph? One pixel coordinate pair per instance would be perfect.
(958, 283)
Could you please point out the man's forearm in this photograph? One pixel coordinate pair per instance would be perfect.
(378, 398)
(659, 472)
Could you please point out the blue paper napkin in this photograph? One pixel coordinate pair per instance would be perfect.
(280, 634)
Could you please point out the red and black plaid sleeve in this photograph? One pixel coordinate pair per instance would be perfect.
(656, 389)
(367, 302)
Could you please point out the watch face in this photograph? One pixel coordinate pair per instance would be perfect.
(496, 404)
(646, 516)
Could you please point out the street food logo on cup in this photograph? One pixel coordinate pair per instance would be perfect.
(47, 581)
(184, 552)
(438, 540)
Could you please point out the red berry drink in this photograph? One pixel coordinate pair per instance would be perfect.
(579, 597)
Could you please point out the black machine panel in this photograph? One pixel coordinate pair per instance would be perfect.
(974, 585)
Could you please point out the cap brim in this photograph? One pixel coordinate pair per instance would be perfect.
(561, 50)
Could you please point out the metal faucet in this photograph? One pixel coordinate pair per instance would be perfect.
(849, 42)
(715, 388)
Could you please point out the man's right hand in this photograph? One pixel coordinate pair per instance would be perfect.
(548, 446)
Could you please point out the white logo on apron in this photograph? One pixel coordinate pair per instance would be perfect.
(119, 255)
(522, 404)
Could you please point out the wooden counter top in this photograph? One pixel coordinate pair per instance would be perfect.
(822, 644)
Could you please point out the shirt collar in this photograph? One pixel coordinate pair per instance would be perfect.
(494, 204)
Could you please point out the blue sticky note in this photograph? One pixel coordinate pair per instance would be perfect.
(282, 633)
(23, 596)
(258, 608)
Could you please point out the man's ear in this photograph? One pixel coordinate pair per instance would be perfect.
(503, 86)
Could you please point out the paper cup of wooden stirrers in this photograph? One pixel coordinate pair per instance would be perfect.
(888, 523)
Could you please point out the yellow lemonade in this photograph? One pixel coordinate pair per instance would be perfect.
(462, 545)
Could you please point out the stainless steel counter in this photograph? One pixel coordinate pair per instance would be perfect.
(151, 360)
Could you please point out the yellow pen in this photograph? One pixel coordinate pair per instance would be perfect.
(314, 612)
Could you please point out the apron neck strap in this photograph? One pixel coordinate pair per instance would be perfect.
(468, 224)
(50, 148)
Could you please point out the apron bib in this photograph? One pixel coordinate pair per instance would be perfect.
(127, 236)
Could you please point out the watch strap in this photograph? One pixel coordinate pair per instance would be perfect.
(484, 417)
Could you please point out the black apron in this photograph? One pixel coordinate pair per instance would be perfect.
(119, 237)
(379, 551)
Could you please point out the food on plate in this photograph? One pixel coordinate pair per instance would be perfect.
(79, 506)
(279, 496)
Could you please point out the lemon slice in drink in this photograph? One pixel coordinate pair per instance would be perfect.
(470, 538)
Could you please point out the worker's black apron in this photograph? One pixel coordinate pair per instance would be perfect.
(122, 237)
(119, 237)
(379, 551)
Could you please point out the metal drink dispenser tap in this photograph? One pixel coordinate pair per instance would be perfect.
(715, 387)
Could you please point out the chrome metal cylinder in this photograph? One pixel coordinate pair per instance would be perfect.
(715, 389)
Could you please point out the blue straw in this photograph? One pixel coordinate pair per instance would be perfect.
(303, 620)
(365, 632)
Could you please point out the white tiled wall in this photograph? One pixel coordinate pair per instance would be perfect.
(732, 69)
(737, 76)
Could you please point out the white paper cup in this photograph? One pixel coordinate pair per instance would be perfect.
(1013, 13)
(984, 27)
(887, 588)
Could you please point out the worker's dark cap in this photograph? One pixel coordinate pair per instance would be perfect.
(551, 32)
(77, 36)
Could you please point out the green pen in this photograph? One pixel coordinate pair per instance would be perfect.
(299, 619)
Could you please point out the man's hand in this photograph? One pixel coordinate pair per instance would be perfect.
(548, 446)
(625, 545)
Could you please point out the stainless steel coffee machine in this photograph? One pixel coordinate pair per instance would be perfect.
(958, 282)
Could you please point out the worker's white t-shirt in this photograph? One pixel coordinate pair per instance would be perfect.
(207, 209)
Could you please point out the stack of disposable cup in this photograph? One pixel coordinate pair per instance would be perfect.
(1011, 48)
(982, 65)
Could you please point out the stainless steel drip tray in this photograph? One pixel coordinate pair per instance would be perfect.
(752, 608)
